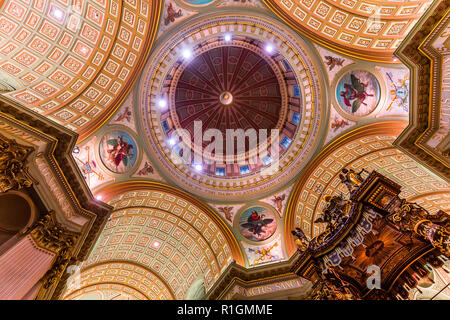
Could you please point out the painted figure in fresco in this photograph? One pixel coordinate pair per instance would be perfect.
(332, 62)
(147, 169)
(355, 93)
(336, 124)
(120, 152)
(278, 202)
(126, 114)
(227, 211)
(256, 222)
(171, 14)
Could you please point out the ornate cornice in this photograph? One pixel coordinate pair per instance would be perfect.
(427, 68)
(262, 274)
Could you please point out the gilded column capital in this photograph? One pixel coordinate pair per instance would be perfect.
(13, 173)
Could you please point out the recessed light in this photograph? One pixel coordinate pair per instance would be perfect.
(186, 53)
(269, 48)
(227, 37)
(99, 197)
(162, 103)
(57, 13)
(171, 142)
(198, 167)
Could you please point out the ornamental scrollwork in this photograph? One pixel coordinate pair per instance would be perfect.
(13, 173)
(48, 234)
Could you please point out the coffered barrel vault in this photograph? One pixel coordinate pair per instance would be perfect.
(74, 61)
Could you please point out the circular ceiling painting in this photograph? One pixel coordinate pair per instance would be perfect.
(257, 223)
(358, 92)
(118, 151)
(228, 88)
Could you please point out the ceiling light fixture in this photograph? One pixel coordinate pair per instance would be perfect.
(186, 53)
(162, 103)
(269, 48)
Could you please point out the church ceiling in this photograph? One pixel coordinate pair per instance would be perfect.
(75, 60)
(232, 65)
(369, 30)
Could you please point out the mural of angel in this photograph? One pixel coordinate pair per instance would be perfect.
(333, 61)
(257, 223)
(227, 211)
(278, 202)
(171, 14)
(126, 114)
(338, 123)
(117, 151)
(146, 170)
(358, 92)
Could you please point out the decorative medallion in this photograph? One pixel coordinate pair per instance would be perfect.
(257, 223)
(118, 151)
(358, 92)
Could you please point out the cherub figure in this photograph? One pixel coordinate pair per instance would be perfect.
(278, 202)
(228, 212)
(332, 62)
(147, 169)
(126, 114)
(171, 14)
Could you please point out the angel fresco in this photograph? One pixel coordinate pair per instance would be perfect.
(358, 92)
(278, 202)
(118, 151)
(333, 61)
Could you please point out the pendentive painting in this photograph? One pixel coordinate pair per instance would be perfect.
(257, 223)
(358, 92)
(118, 151)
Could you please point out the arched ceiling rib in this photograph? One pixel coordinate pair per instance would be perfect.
(75, 60)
